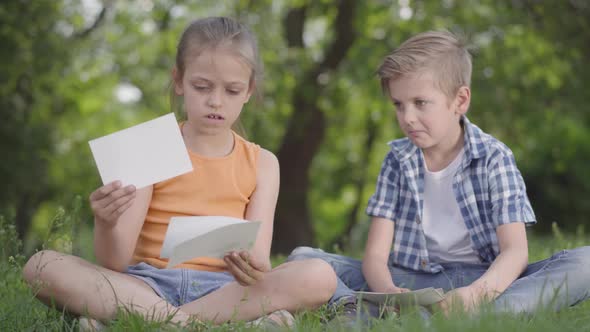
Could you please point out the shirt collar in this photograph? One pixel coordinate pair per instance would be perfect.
(474, 139)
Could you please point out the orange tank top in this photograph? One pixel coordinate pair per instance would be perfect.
(216, 187)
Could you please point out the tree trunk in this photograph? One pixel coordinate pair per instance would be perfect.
(305, 131)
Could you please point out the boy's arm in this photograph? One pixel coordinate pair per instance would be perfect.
(509, 264)
(375, 269)
(511, 209)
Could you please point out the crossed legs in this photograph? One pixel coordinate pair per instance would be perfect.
(83, 288)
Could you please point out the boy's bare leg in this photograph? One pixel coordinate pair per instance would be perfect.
(83, 288)
(292, 286)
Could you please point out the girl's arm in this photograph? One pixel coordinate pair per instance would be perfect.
(248, 267)
(375, 269)
(119, 214)
(509, 264)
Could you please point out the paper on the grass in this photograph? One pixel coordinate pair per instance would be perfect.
(208, 236)
(425, 296)
(142, 155)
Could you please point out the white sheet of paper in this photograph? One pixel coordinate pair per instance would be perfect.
(142, 155)
(207, 236)
(425, 296)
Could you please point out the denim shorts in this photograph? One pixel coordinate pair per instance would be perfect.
(179, 286)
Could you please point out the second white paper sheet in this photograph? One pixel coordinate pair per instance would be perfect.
(206, 236)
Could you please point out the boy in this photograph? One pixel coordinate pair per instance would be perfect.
(451, 200)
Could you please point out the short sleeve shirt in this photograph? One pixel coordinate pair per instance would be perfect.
(489, 189)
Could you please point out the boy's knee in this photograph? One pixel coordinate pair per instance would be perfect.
(300, 253)
(583, 257)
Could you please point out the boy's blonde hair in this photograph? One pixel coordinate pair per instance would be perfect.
(440, 52)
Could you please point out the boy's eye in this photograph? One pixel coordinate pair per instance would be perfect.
(420, 102)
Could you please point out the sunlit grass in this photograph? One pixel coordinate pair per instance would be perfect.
(20, 311)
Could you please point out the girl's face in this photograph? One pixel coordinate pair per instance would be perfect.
(215, 86)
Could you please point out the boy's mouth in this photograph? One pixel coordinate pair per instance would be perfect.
(414, 133)
(214, 117)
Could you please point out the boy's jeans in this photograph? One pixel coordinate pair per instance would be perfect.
(560, 281)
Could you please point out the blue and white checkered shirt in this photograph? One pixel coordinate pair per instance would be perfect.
(488, 187)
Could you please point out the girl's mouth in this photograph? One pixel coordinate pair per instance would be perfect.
(214, 117)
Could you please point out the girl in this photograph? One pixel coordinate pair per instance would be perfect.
(215, 74)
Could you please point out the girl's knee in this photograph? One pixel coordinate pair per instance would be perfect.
(318, 279)
(32, 269)
(43, 265)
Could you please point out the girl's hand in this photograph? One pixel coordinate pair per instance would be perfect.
(110, 201)
(244, 267)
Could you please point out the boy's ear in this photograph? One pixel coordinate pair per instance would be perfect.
(462, 100)
(177, 81)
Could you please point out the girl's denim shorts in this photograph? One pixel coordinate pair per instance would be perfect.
(179, 286)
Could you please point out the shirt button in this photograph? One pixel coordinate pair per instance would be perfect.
(418, 221)
(424, 263)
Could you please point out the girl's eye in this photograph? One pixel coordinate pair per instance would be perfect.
(201, 87)
(233, 92)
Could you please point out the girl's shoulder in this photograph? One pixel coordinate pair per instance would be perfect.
(262, 157)
(250, 150)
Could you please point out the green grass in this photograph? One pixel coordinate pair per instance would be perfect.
(20, 311)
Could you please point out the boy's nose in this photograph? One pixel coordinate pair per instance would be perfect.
(409, 115)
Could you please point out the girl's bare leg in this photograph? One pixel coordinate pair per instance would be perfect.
(82, 288)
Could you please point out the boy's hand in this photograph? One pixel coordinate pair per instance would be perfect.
(245, 268)
(467, 298)
(395, 290)
(110, 201)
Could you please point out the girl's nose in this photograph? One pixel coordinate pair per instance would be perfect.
(214, 99)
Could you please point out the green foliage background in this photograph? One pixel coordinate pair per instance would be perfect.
(62, 62)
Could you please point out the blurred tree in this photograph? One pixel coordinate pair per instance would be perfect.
(307, 124)
(34, 58)
(71, 71)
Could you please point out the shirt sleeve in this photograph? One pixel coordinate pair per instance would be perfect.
(508, 192)
(383, 202)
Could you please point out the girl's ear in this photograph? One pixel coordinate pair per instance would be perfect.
(462, 100)
(251, 88)
(177, 80)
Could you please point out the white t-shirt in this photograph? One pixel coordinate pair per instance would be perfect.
(447, 237)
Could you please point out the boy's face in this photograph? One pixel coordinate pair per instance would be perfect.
(425, 114)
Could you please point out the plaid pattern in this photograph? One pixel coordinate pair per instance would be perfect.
(488, 186)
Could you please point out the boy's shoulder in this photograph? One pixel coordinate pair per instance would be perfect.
(479, 144)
